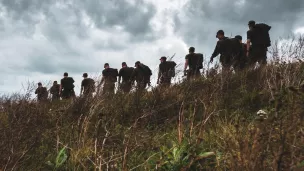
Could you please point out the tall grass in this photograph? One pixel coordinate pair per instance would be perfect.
(207, 124)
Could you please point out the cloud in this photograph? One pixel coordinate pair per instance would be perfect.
(66, 15)
(200, 19)
(41, 39)
(64, 34)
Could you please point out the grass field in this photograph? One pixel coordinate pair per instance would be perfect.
(207, 124)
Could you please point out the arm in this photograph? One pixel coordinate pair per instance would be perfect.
(102, 80)
(215, 52)
(103, 77)
(99, 85)
(249, 35)
(81, 89)
(248, 46)
(119, 78)
(51, 90)
(186, 64)
(133, 75)
(60, 87)
(36, 91)
(159, 74)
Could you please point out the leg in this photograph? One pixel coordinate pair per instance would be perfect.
(126, 87)
(263, 56)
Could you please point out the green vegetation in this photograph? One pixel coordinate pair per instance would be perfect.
(207, 124)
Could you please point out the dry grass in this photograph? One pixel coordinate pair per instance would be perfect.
(207, 124)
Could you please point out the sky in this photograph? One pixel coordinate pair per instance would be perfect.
(42, 39)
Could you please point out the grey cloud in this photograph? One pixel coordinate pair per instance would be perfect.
(268, 11)
(208, 16)
(61, 22)
(105, 14)
(58, 63)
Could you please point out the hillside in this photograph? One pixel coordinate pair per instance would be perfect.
(208, 124)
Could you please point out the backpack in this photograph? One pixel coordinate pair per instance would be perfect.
(231, 48)
(200, 60)
(146, 70)
(261, 34)
(171, 68)
(196, 60)
(129, 71)
(92, 85)
(112, 74)
(45, 92)
(68, 83)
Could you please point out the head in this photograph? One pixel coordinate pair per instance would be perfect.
(251, 24)
(106, 65)
(124, 64)
(163, 59)
(39, 84)
(220, 34)
(239, 38)
(65, 74)
(191, 50)
(85, 75)
(55, 83)
(137, 63)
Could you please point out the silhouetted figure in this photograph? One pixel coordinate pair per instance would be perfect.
(141, 75)
(125, 74)
(195, 63)
(87, 86)
(259, 39)
(230, 50)
(224, 58)
(166, 72)
(240, 64)
(109, 77)
(55, 91)
(42, 93)
(67, 87)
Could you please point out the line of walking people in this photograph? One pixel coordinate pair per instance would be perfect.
(233, 53)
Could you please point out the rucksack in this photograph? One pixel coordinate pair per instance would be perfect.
(112, 74)
(45, 92)
(200, 60)
(231, 48)
(91, 85)
(196, 60)
(146, 70)
(68, 83)
(129, 71)
(171, 68)
(261, 34)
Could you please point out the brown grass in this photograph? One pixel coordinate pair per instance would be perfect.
(155, 130)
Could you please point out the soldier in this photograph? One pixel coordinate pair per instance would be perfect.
(241, 63)
(125, 73)
(229, 49)
(258, 38)
(87, 86)
(141, 74)
(166, 72)
(225, 60)
(195, 63)
(42, 93)
(54, 90)
(109, 77)
(67, 86)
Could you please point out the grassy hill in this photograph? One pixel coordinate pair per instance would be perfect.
(207, 124)
(213, 123)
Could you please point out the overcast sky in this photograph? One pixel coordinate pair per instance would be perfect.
(42, 39)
